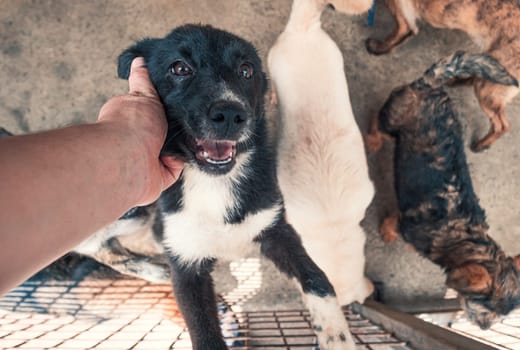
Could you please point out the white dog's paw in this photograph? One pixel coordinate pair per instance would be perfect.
(367, 289)
(359, 293)
(273, 98)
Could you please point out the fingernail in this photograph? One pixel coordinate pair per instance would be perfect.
(138, 62)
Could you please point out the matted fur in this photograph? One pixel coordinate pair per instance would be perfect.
(439, 212)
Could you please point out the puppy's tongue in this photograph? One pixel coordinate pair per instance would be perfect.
(218, 150)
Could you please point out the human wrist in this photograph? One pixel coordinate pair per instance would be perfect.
(134, 158)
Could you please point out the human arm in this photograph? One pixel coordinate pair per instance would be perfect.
(60, 186)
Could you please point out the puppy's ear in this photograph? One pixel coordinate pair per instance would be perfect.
(470, 278)
(142, 48)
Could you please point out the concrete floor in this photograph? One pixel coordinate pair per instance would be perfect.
(58, 67)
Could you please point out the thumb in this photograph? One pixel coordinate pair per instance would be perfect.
(171, 170)
(139, 80)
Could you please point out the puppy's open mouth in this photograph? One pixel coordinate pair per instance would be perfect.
(215, 152)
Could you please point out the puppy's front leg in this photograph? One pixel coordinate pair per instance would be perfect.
(283, 246)
(193, 288)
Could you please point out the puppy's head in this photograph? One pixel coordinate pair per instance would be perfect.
(487, 295)
(212, 86)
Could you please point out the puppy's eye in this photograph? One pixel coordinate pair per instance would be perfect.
(245, 70)
(181, 68)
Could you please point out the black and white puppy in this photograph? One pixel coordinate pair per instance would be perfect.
(227, 200)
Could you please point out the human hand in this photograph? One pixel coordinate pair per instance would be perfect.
(140, 117)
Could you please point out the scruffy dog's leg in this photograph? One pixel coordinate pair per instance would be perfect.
(492, 99)
(401, 33)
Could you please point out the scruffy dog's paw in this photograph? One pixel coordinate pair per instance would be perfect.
(388, 229)
(375, 46)
(373, 142)
(479, 147)
(389, 236)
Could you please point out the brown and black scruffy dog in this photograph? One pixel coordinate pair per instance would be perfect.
(492, 24)
(439, 213)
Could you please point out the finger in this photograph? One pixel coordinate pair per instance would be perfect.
(171, 171)
(139, 80)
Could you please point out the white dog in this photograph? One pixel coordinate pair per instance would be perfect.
(322, 165)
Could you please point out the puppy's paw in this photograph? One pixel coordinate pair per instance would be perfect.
(334, 339)
(329, 323)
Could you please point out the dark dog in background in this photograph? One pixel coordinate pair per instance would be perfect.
(227, 200)
(439, 213)
(494, 25)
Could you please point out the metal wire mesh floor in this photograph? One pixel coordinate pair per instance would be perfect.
(504, 334)
(133, 314)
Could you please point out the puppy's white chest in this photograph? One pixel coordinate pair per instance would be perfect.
(199, 229)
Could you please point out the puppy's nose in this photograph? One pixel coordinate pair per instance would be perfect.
(227, 117)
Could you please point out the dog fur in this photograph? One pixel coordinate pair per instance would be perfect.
(439, 212)
(227, 200)
(492, 24)
(130, 247)
(322, 167)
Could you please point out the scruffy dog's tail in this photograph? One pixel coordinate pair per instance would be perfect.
(461, 66)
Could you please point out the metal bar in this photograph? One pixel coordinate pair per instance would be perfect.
(429, 306)
(419, 334)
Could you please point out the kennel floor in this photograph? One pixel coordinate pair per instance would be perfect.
(95, 313)
(97, 309)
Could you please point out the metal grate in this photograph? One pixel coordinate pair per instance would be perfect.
(505, 334)
(292, 330)
(133, 314)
